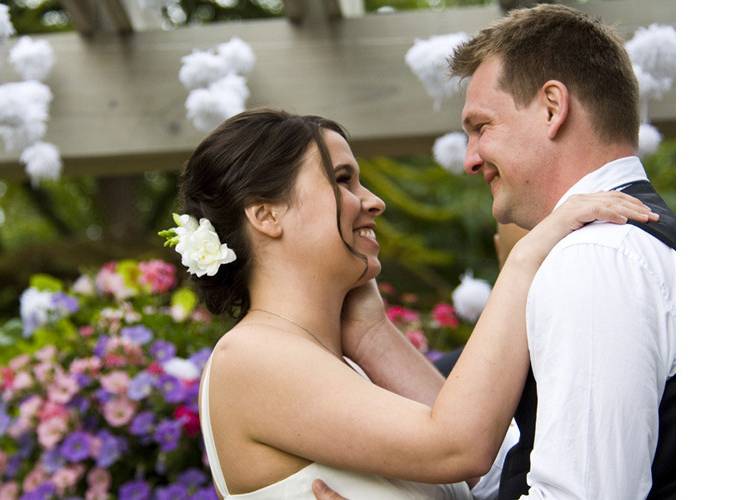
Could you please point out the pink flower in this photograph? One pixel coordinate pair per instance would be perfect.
(401, 314)
(99, 478)
(386, 288)
(108, 281)
(418, 340)
(19, 428)
(63, 389)
(46, 354)
(86, 331)
(97, 493)
(3, 463)
(409, 298)
(45, 371)
(34, 479)
(119, 411)
(19, 362)
(444, 315)
(51, 409)
(8, 377)
(9, 491)
(66, 477)
(51, 431)
(30, 407)
(116, 382)
(157, 276)
(22, 381)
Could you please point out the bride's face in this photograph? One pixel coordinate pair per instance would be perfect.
(314, 214)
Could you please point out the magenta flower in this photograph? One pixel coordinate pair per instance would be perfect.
(418, 340)
(157, 276)
(445, 316)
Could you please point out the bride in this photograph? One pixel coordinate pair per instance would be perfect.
(280, 404)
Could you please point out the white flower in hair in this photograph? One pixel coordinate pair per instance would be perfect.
(649, 139)
(428, 59)
(198, 244)
(6, 27)
(23, 113)
(32, 59)
(238, 55)
(470, 297)
(449, 151)
(42, 161)
(202, 68)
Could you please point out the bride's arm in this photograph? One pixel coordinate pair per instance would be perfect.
(301, 400)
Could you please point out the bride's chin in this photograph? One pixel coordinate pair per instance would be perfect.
(373, 270)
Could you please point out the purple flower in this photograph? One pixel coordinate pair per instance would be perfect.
(100, 349)
(205, 494)
(45, 491)
(192, 478)
(134, 490)
(167, 434)
(142, 424)
(26, 445)
(52, 460)
(200, 358)
(14, 463)
(191, 396)
(4, 419)
(110, 450)
(64, 303)
(162, 350)
(137, 334)
(171, 388)
(83, 380)
(174, 491)
(80, 403)
(76, 447)
(103, 395)
(140, 386)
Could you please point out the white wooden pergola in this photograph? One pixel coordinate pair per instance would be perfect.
(119, 108)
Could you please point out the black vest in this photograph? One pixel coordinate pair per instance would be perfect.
(517, 463)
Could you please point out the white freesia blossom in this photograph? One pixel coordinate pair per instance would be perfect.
(6, 27)
(202, 68)
(42, 161)
(183, 369)
(32, 59)
(449, 151)
(428, 59)
(649, 139)
(198, 244)
(23, 113)
(470, 297)
(654, 50)
(36, 309)
(84, 285)
(238, 55)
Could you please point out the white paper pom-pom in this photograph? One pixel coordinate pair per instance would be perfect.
(449, 151)
(470, 297)
(6, 27)
(649, 139)
(23, 113)
(232, 84)
(654, 50)
(428, 59)
(207, 108)
(238, 55)
(650, 87)
(42, 161)
(32, 59)
(202, 68)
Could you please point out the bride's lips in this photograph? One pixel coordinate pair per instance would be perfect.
(367, 233)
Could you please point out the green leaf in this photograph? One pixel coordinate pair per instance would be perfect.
(46, 283)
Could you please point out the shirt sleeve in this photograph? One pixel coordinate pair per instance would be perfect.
(594, 317)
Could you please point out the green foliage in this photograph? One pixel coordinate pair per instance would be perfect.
(660, 167)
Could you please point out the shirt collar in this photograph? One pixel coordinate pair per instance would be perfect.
(608, 176)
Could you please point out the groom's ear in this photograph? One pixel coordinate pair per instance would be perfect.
(266, 218)
(556, 102)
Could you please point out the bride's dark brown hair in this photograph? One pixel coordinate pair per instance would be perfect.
(252, 157)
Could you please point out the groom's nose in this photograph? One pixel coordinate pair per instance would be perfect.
(472, 161)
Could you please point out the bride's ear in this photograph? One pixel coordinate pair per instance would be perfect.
(266, 218)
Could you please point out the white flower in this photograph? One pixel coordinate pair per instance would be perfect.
(238, 55)
(42, 161)
(654, 50)
(428, 59)
(202, 68)
(36, 309)
(6, 27)
(470, 297)
(23, 113)
(649, 139)
(84, 285)
(449, 151)
(183, 369)
(198, 244)
(32, 59)
(207, 108)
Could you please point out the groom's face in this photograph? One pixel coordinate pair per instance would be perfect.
(507, 146)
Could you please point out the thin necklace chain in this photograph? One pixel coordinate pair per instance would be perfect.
(303, 328)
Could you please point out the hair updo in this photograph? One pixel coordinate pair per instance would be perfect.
(252, 157)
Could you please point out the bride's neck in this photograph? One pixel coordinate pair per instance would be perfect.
(309, 302)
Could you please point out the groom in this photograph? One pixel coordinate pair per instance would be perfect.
(551, 110)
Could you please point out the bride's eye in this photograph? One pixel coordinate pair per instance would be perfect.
(345, 178)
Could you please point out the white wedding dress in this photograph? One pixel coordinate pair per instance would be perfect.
(352, 485)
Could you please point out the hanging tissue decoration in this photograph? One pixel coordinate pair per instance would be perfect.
(6, 27)
(42, 161)
(32, 59)
(649, 139)
(217, 91)
(23, 113)
(449, 151)
(428, 60)
(470, 297)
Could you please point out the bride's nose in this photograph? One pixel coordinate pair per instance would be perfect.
(371, 203)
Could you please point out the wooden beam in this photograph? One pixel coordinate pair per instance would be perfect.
(92, 16)
(294, 10)
(118, 106)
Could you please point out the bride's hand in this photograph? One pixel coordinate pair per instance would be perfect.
(576, 212)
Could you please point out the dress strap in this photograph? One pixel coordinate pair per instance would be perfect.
(208, 434)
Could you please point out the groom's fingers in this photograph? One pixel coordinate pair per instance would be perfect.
(323, 492)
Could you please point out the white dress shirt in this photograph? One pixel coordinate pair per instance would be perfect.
(601, 331)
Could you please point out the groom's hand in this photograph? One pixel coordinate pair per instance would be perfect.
(363, 314)
(323, 492)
